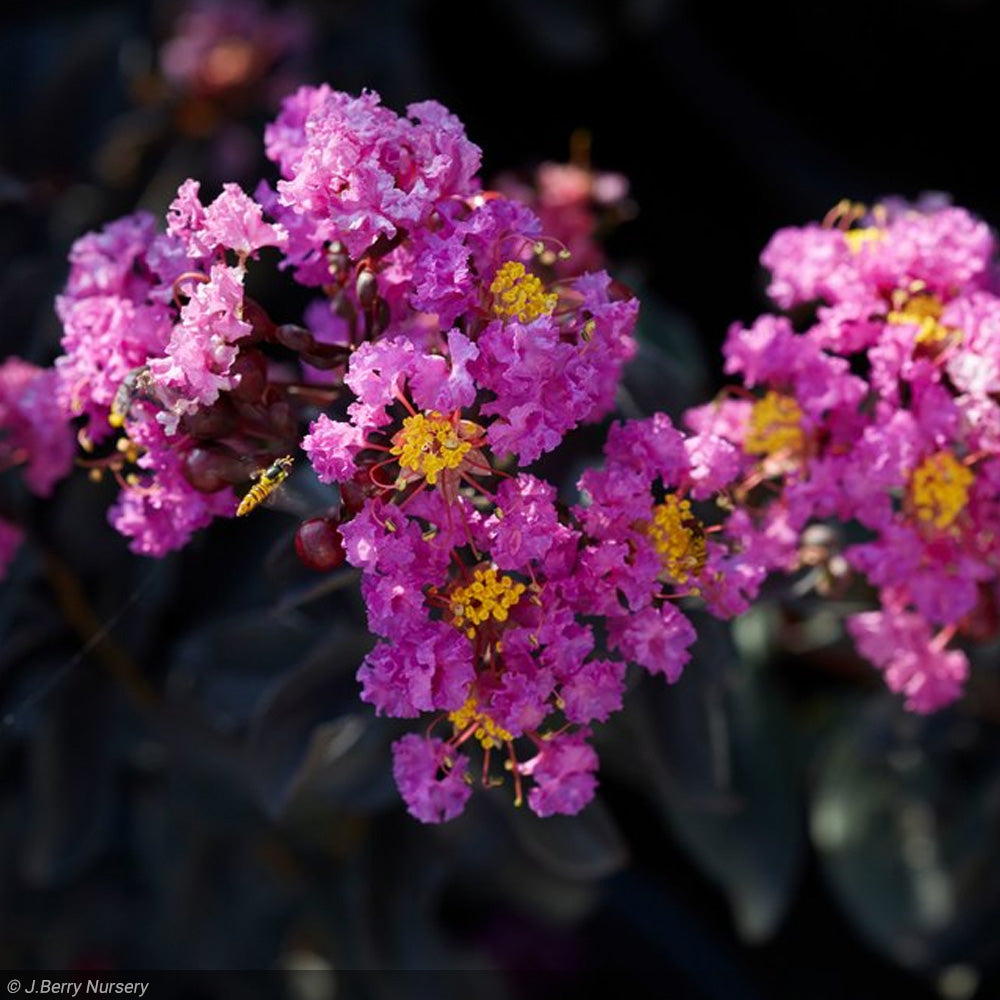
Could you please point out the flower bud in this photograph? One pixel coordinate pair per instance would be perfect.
(295, 338)
(209, 470)
(251, 366)
(319, 544)
(366, 287)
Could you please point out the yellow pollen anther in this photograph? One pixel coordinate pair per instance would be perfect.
(775, 425)
(487, 596)
(923, 311)
(427, 445)
(520, 295)
(487, 731)
(939, 488)
(858, 238)
(679, 537)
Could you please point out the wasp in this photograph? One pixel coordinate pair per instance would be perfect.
(268, 480)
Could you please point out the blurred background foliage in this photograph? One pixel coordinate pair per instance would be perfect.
(188, 778)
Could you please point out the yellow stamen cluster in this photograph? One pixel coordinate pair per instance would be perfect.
(487, 731)
(775, 426)
(487, 596)
(923, 311)
(858, 238)
(518, 294)
(129, 450)
(939, 488)
(845, 213)
(428, 444)
(679, 538)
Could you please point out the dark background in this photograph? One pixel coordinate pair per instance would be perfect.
(165, 803)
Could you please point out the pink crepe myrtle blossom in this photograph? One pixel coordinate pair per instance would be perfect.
(198, 359)
(877, 411)
(158, 509)
(431, 777)
(435, 361)
(233, 221)
(563, 772)
(914, 661)
(34, 432)
(357, 171)
(487, 621)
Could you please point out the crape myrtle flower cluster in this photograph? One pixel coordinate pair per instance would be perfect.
(872, 400)
(449, 342)
(442, 353)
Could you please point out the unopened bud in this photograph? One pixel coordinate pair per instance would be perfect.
(319, 544)
(366, 287)
(295, 338)
(209, 470)
(337, 260)
(251, 367)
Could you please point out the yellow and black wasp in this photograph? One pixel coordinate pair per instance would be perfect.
(268, 480)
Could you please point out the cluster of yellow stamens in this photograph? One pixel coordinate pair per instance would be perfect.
(845, 213)
(857, 238)
(679, 537)
(518, 294)
(923, 311)
(489, 595)
(939, 488)
(775, 426)
(487, 731)
(427, 444)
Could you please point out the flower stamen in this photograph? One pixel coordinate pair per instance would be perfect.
(679, 537)
(426, 445)
(518, 294)
(775, 426)
(939, 489)
(922, 310)
(489, 595)
(486, 731)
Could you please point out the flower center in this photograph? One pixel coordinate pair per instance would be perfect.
(775, 425)
(858, 238)
(923, 311)
(679, 538)
(487, 596)
(518, 294)
(487, 731)
(428, 444)
(939, 488)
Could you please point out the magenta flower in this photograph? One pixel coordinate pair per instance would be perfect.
(880, 413)
(358, 171)
(563, 771)
(234, 221)
(431, 778)
(34, 431)
(913, 661)
(159, 510)
(203, 346)
(551, 374)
